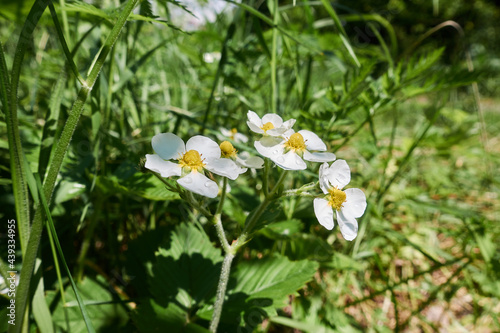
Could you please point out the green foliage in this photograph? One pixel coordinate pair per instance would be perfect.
(104, 307)
(392, 100)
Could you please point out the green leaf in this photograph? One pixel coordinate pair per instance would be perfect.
(259, 286)
(183, 279)
(139, 184)
(274, 278)
(106, 314)
(282, 230)
(189, 270)
(152, 317)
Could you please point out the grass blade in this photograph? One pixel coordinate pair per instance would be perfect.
(52, 229)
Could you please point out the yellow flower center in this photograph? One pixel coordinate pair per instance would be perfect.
(192, 160)
(233, 133)
(227, 149)
(296, 142)
(267, 126)
(337, 198)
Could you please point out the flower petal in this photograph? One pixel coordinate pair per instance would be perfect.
(168, 145)
(272, 118)
(164, 168)
(223, 167)
(324, 213)
(227, 133)
(323, 179)
(276, 131)
(339, 174)
(199, 184)
(255, 128)
(244, 159)
(269, 146)
(355, 203)
(348, 226)
(319, 157)
(289, 161)
(254, 119)
(313, 142)
(207, 148)
(288, 124)
(238, 137)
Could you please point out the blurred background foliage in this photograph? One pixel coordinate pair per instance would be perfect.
(394, 100)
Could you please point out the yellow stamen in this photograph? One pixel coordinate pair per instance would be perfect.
(296, 142)
(227, 149)
(233, 133)
(192, 160)
(267, 126)
(337, 198)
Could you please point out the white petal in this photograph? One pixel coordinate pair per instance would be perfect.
(227, 133)
(276, 131)
(288, 124)
(339, 174)
(223, 167)
(348, 226)
(319, 157)
(313, 142)
(254, 119)
(289, 161)
(207, 148)
(238, 137)
(355, 203)
(255, 128)
(244, 159)
(269, 146)
(199, 184)
(164, 168)
(288, 133)
(324, 213)
(168, 145)
(242, 170)
(272, 118)
(323, 179)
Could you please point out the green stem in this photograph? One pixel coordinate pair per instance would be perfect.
(265, 179)
(53, 172)
(257, 214)
(221, 291)
(217, 220)
(231, 251)
(19, 182)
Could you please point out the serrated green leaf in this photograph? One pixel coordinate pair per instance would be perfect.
(189, 270)
(273, 278)
(183, 279)
(152, 317)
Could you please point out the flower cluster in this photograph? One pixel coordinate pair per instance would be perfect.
(288, 149)
(195, 161)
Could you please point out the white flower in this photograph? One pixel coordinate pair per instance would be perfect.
(271, 124)
(349, 204)
(292, 148)
(232, 134)
(198, 154)
(243, 160)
